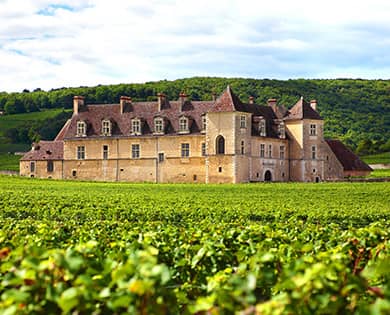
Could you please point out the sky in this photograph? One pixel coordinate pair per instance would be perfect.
(50, 44)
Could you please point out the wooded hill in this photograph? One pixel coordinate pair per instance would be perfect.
(355, 111)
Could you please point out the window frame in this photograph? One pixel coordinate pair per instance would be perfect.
(81, 128)
(136, 126)
(313, 152)
(282, 152)
(135, 151)
(80, 152)
(185, 150)
(262, 150)
(282, 130)
(269, 151)
(243, 122)
(32, 166)
(220, 144)
(161, 157)
(106, 127)
(242, 148)
(313, 130)
(204, 123)
(203, 149)
(158, 121)
(262, 128)
(184, 124)
(50, 166)
(105, 152)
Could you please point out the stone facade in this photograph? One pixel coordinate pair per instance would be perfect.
(221, 141)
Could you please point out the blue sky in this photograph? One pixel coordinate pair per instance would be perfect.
(49, 44)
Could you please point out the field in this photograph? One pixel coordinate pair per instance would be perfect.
(110, 248)
(380, 158)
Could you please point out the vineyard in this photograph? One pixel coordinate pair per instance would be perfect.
(110, 248)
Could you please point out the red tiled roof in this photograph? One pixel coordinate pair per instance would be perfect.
(349, 160)
(302, 110)
(64, 129)
(45, 150)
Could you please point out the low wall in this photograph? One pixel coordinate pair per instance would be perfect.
(379, 166)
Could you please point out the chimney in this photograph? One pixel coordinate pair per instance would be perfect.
(313, 104)
(272, 102)
(35, 146)
(251, 100)
(124, 103)
(161, 101)
(78, 102)
(183, 98)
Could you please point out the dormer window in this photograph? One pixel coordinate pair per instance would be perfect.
(281, 131)
(136, 127)
(183, 125)
(243, 121)
(158, 125)
(313, 129)
(106, 127)
(262, 130)
(204, 123)
(81, 129)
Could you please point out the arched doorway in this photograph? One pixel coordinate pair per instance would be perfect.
(268, 176)
(220, 145)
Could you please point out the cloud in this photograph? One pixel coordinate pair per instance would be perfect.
(50, 44)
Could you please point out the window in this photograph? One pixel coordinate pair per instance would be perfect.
(203, 148)
(81, 152)
(281, 130)
(105, 152)
(220, 169)
(262, 150)
(32, 167)
(281, 152)
(242, 147)
(313, 152)
(220, 145)
(158, 125)
(183, 125)
(161, 157)
(50, 166)
(185, 150)
(262, 130)
(313, 130)
(243, 121)
(136, 126)
(81, 129)
(135, 151)
(74, 173)
(270, 150)
(204, 122)
(106, 127)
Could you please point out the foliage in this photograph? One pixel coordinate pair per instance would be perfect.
(354, 110)
(9, 162)
(103, 248)
(380, 158)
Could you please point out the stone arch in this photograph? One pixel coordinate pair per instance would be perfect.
(220, 145)
(268, 176)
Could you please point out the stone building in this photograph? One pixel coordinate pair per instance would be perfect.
(219, 141)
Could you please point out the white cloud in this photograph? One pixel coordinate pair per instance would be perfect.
(49, 44)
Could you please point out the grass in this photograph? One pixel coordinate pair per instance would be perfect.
(380, 173)
(9, 162)
(379, 158)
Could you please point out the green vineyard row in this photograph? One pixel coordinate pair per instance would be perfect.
(103, 248)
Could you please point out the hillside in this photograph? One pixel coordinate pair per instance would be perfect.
(355, 111)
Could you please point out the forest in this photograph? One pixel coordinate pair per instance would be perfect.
(355, 111)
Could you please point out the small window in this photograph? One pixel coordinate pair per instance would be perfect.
(313, 129)
(281, 152)
(81, 129)
(106, 127)
(242, 121)
(204, 122)
(195, 177)
(220, 169)
(158, 125)
(183, 125)
(161, 157)
(203, 148)
(74, 173)
(32, 167)
(105, 152)
(135, 151)
(136, 127)
(262, 130)
(81, 152)
(242, 147)
(262, 150)
(270, 150)
(185, 150)
(313, 152)
(220, 145)
(281, 131)
(50, 166)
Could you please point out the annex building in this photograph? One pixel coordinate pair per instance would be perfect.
(220, 141)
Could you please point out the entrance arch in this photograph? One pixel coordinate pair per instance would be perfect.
(268, 176)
